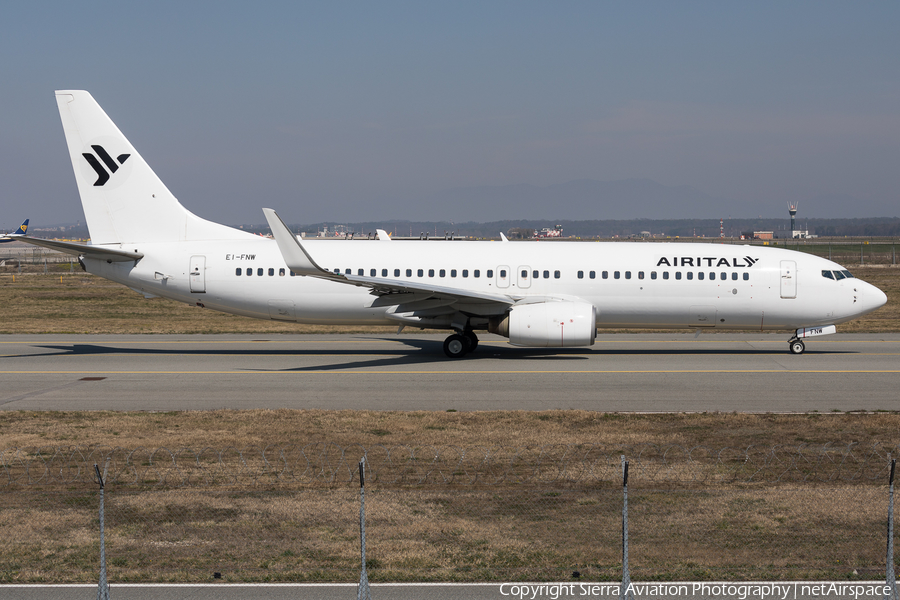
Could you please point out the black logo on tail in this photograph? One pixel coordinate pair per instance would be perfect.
(102, 174)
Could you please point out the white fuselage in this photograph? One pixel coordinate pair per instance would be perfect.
(633, 285)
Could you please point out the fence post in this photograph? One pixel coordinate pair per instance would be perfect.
(362, 592)
(891, 578)
(625, 592)
(103, 587)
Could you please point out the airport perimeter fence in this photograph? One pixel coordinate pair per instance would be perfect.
(290, 513)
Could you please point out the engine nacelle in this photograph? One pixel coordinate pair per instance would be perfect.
(548, 324)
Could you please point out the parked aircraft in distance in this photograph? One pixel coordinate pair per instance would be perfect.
(11, 237)
(535, 293)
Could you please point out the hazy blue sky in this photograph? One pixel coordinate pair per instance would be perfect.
(348, 111)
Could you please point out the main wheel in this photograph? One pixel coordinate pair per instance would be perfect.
(473, 340)
(456, 346)
(796, 346)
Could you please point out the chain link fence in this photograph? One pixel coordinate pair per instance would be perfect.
(290, 513)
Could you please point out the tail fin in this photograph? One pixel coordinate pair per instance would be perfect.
(23, 228)
(123, 199)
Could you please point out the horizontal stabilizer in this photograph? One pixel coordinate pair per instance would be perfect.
(85, 250)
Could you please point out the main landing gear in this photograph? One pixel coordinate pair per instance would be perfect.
(458, 345)
(796, 346)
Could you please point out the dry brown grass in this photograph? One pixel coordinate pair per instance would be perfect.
(83, 304)
(240, 428)
(496, 534)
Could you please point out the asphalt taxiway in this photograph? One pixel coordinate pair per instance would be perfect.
(622, 372)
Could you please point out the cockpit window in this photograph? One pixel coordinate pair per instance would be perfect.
(827, 275)
(838, 275)
(847, 274)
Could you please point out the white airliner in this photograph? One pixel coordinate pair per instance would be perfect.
(535, 293)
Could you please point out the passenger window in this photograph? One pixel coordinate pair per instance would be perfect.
(371, 272)
(665, 274)
(838, 275)
(465, 273)
(746, 276)
(525, 274)
(489, 273)
(690, 274)
(627, 274)
(259, 272)
(384, 272)
(347, 271)
(555, 274)
(677, 274)
(431, 272)
(652, 274)
(409, 272)
(723, 276)
(420, 273)
(640, 274)
(546, 274)
(535, 274)
(699, 276)
(361, 272)
(502, 273)
(442, 272)
(271, 272)
(615, 275)
(580, 274)
(452, 272)
(281, 272)
(238, 271)
(476, 273)
(733, 277)
(605, 275)
(396, 272)
(592, 274)
(249, 272)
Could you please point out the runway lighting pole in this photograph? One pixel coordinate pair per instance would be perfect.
(103, 587)
(624, 592)
(362, 592)
(891, 578)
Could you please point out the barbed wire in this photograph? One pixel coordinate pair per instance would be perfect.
(329, 464)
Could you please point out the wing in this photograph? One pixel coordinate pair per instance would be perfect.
(407, 296)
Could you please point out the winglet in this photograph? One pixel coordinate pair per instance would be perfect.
(383, 236)
(295, 255)
(503, 237)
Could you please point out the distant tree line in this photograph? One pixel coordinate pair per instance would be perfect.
(524, 229)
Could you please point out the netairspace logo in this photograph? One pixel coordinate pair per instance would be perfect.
(730, 591)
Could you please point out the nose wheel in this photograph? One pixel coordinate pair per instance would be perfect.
(796, 346)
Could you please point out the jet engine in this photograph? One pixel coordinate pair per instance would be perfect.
(548, 324)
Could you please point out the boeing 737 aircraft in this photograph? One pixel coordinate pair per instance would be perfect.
(11, 237)
(536, 294)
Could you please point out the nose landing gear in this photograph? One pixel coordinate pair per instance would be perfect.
(796, 346)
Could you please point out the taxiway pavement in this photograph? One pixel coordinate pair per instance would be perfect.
(622, 372)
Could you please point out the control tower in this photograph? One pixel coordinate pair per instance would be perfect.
(796, 233)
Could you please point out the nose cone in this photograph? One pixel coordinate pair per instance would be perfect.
(872, 298)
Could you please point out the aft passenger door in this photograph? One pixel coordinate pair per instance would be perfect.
(198, 274)
(788, 279)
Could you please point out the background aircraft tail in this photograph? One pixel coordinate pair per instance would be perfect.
(123, 199)
(23, 228)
